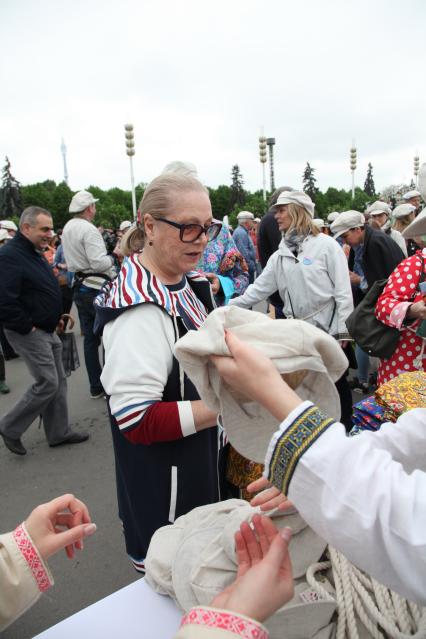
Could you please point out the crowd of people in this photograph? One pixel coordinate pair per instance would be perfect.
(139, 292)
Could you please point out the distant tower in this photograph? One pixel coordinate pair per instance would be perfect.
(270, 142)
(64, 157)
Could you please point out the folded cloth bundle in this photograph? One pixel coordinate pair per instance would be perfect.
(402, 393)
(194, 559)
(292, 345)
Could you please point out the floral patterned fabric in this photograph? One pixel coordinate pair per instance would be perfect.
(240, 472)
(405, 392)
(222, 257)
(367, 415)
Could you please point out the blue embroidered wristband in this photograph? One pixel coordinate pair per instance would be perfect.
(293, 443)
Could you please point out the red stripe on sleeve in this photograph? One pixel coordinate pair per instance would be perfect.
(160, 423)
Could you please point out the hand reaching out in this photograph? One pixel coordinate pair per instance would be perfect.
(264, 580)
(60, 523)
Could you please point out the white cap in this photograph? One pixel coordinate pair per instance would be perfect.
(378, 207)
(319, 222)
(410, 194)
(403, 210)
(296, 197)
(346, 221)
(257, 219)
(333, 216)
(125, 225)
(81, 201)
(8, 224)
(245, 215)
(4, 235)
(417, 226)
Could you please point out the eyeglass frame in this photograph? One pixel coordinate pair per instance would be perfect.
(182, 228)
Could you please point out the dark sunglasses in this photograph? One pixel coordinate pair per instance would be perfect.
(191, 232)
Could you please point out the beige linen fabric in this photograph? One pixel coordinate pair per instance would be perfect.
(194, 559)
(292, 345)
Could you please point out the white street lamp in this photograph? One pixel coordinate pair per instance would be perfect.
(263, 158)
(353, 166)
(416, 168)
(130, 150)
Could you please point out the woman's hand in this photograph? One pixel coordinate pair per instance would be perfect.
(61, 523)
(417, 310)
(214, 282)
(270, 497)
(264, 580)
(243, 371)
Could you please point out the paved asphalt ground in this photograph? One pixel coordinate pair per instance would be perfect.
(87, 470)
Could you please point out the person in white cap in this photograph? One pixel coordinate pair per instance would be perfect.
(86, 256)
(380, 254)
(413, 197)
(332, 216)
(380, 213)
(310, 272)
(403, 215)
(244, 242)
(9, 226)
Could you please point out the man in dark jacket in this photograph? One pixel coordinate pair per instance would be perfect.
(30, 311)
(380, 254)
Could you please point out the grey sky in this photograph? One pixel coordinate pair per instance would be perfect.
(198, 79)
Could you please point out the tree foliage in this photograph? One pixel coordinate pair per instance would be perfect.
(369, 187)
(10, 194)
(238, 195)
(310, 182)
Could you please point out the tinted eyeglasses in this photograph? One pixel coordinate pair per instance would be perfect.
(191, 232)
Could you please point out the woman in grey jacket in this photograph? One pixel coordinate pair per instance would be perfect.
(310, 272)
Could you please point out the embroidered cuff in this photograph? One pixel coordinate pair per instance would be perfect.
(297, 433)
(186, 418)
(343, 337)
(398, 314)
(224, 620)
(35, 563)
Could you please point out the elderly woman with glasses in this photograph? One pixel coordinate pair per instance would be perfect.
(166, 442)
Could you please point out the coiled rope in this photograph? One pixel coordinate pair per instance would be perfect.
(362, 598)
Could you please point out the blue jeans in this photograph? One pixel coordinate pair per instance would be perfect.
(86, 312)
(363, 361)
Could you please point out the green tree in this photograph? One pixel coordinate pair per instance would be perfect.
(220, 199)
(10, 194)
(238, 195)
(61, 198)
(369, 187)
(310, 182)
(38, 195)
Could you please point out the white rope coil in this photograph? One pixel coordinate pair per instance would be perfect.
(360, 598)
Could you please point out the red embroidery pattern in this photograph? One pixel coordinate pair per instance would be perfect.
(32, 558)
(225, 621)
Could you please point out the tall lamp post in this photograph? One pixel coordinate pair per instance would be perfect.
(270, 142)
(130, 150)
(353, 166)
(262, 158)
(416, 168)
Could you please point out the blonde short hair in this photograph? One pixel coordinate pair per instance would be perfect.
(158, 200)
(301, 221)
(401, 223)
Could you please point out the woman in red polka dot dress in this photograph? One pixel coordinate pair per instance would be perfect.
(401, 306)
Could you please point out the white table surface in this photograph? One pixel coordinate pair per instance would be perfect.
(134, 612)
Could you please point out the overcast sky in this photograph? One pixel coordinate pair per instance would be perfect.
(199, 78)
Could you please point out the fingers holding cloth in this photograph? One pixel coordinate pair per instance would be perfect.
(224, 347)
